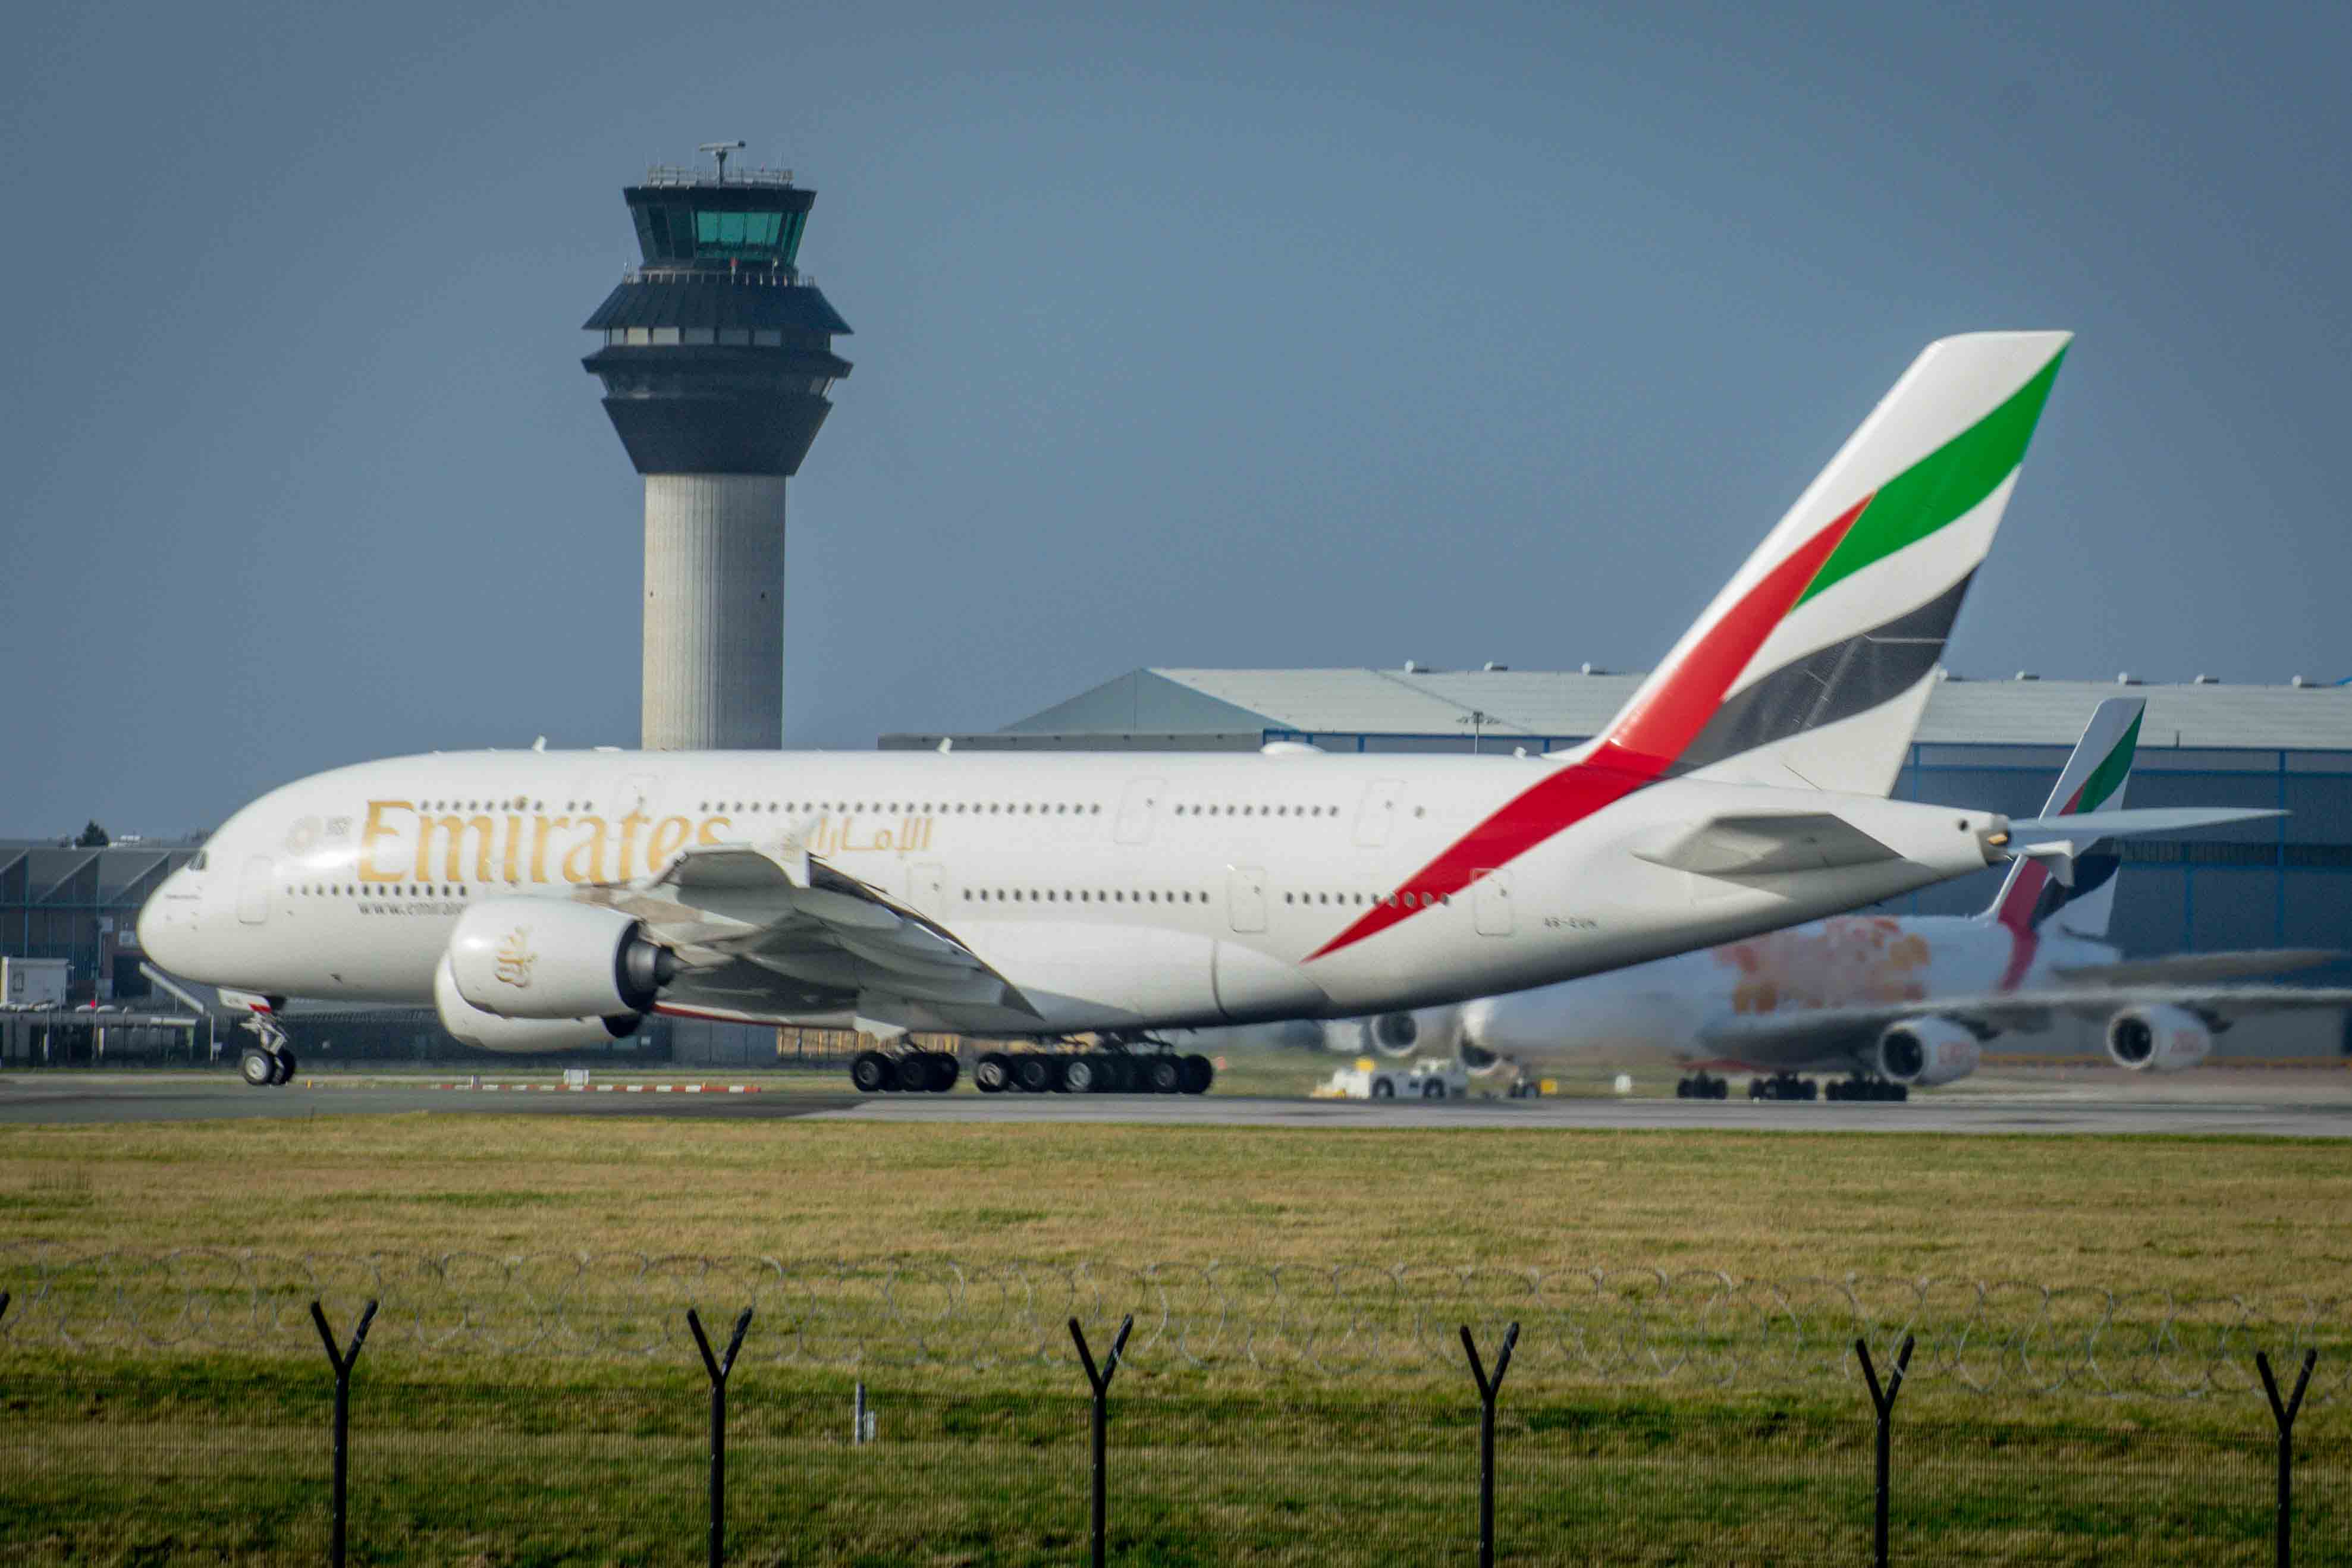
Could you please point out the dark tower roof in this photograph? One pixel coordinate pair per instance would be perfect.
(717, 352)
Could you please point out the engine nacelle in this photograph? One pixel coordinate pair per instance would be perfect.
(489, 1031)
(544, 959)
(1927, 1052)
(1429, 1031)
(2158, 1038)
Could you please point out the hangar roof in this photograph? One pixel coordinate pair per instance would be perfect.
(1556, 705)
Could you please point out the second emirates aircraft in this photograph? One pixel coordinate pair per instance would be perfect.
(545, 900)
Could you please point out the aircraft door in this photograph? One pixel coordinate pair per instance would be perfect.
(1378, 810)
(927, 890)
(1246, 898)
(253, 890)
(1136, 809)
(1491, 901)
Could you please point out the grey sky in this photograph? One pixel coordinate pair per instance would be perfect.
(1211, 335)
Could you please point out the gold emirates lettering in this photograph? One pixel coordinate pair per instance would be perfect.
(398, 843)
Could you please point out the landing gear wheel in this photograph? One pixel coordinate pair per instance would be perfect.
(993, 1073)
(1433, 1090)
(1198, 1074)
(258, 1067)
(873, 1073)
(1084, 1075)
(1118, 1072)
(286, 1066)
(1034, 1073)
(1163, 1075)
(944, 1071)
(1383, 1089)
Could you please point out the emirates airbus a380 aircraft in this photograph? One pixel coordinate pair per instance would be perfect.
(547, 900)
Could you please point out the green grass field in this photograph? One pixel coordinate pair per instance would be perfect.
(516, 1405)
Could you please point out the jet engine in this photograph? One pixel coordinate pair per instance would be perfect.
(2158, 1038)
(1430, 1031)
(489, 1031)
(1927, 1052)
(540, 959)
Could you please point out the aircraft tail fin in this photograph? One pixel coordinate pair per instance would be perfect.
(2094, 779)
(1812, 665)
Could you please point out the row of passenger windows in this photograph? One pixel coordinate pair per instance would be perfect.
(340, 890)
(941, 808)
(1083, 896)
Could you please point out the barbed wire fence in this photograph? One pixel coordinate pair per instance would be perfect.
(1688, 1328)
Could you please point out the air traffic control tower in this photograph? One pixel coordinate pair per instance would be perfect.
(715, 359)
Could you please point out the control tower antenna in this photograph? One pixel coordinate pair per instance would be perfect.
(717, 355)
(720, 150)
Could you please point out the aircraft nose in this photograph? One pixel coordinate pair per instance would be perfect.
(161, 931)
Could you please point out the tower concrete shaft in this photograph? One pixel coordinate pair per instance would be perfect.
(716, 361)
(714, 662)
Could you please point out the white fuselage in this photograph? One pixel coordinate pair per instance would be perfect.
(1676, 1009)
(1112, 890)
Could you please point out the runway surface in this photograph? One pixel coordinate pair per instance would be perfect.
(2308, 1105)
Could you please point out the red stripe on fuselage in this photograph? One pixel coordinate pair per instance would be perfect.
(1642, 744)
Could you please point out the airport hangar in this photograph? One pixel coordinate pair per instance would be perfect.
(2285, 883)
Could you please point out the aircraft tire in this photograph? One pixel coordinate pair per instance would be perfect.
(1084, 1075)
(873, 1072)
(1384, 1090)
(1033, 1072)
(1198, 1074)
(287, 1066)
(1433, 1090)
(258, 1067)
(945, 1069)
(1163, 1075)
(993, 1073)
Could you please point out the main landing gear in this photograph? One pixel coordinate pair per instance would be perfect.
(1093, 1073)
(1861, 1086)
(269, 1061)
(1785, 1086)
(1702, 1086)
(908, 1071)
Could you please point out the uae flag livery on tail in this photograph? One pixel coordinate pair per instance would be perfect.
(1812, 666)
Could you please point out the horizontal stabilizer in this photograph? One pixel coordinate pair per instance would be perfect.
(2086, 828)
(1763, 842)
(2057, 841)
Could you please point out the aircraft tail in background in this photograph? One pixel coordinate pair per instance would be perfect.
(2094, 779)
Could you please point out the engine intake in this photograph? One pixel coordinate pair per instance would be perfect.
(1927, 1052)
(541, 958)
(2158, 1038)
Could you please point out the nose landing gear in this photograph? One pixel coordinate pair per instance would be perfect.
(269, 1061)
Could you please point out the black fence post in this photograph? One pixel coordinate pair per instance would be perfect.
(2283, 1414)
(718, 1367)
(1488, 1391)
(1099, 1381)
(1881, 1401)
(342, 1360)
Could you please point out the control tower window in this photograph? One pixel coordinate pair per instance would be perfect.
(735, 337)
(696, 337)
(721, 233)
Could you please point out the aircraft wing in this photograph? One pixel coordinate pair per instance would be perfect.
(2199, 968)
(778, 935)
(1818, 1037)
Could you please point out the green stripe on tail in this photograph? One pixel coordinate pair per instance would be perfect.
(1942, 486)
